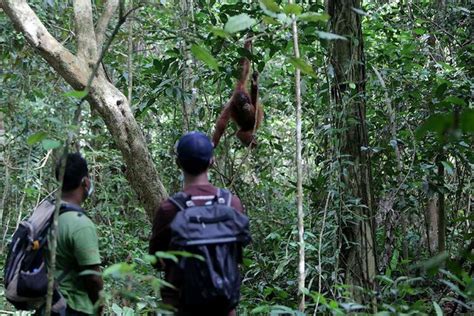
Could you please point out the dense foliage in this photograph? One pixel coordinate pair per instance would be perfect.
(419, 117)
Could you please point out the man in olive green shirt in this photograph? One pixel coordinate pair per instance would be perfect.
(78, 246)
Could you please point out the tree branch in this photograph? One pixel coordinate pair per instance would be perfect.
(86, 46)
(62, 60)
(101, 27)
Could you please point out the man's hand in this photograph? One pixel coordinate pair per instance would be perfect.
(93, 283)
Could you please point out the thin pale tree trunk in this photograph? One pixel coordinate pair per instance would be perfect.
(398, 156)
(187, 80)
(130, 56)
(3, 160)
(299, 173)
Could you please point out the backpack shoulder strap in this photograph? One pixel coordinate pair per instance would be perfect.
(180, 200)
(67, 207)
(224, 197)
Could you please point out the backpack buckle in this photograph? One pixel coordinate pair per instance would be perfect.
(221, 200)
(189, 203)
(35, 245)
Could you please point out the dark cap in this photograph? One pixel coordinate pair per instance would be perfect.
(194, 146)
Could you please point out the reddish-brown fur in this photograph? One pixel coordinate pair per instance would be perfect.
(242, 108)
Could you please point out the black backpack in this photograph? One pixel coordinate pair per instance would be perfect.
(26, 274)
(216, 232)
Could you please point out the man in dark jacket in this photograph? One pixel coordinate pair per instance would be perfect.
(194, 156)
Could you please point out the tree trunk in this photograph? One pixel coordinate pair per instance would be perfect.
(2, 137)
(114, 109)
(299, 172)
(441, 208)
(357, 256)
(103, 96)
(187, 78)
(432, 222)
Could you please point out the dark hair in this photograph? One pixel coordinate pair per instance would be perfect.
(193, 166)
(76, 170)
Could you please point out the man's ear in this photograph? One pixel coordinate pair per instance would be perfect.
(86, 183)
(211, 162)
(177, 162)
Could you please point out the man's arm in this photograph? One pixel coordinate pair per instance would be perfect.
(161, 232)
(86, 252)
(237, 204)
(93, 283)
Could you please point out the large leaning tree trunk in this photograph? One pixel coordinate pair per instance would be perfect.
(357, 256)
(103, 96)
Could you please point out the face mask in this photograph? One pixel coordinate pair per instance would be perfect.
(91, 189)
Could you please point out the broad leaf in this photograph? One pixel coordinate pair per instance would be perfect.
(448, 167)
(293, 8)
(455, 101)
(270, 5)
(269, 20)
(203, 55)
(436, 123)
(467, 121)
(303, 66)
(118, 269)
(314, 17)
(50, 144)
(437, 308)
(76, 94)
(166, 255)
(218, 32)
(238, 23)
(35, 138)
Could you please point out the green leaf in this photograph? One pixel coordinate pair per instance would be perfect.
(262, 309)
(35, 138)
(269, 20)
(118, 269)
(448, 167)
(302, 65)
(455, 100)
(218, 32)
(116, 309)
(166, 255)
(293, 8)
(89, 272)
(419, 31)
(247, 262)
(279, 270)
(238, 23)
(440, 89)
(270, 5)
(436, 123)
(50, 144)
(203, 55)
(186, 254)
(467, 121)
(330, 36)
(438, 310)
(433, 263)
(76, 94)
(314, 17)
(150, 259)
